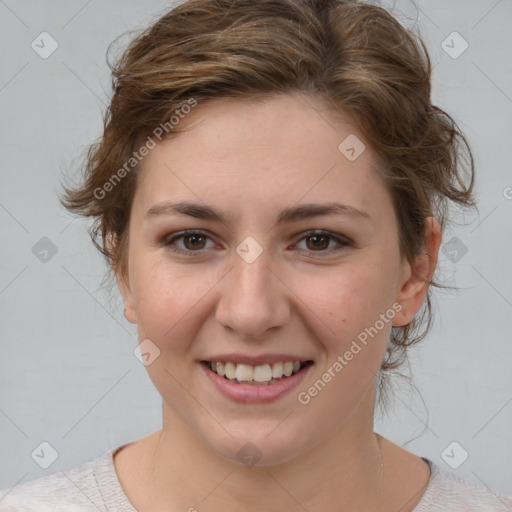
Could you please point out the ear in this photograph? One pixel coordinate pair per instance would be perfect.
(416, 279)
(123, 282)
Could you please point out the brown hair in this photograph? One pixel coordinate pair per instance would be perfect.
(356, 57)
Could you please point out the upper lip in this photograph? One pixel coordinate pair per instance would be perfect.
(256, 360)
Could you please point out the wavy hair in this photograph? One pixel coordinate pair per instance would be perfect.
(356, 57)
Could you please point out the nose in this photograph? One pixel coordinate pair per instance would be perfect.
(253, 299)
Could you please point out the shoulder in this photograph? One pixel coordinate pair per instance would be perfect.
(449, 492)
(79, 489)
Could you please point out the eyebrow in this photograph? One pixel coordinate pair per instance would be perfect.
(292, 214)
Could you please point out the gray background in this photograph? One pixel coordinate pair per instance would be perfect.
(67, 372)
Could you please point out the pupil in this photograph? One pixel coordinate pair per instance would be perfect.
(194, 239)
(317, 241)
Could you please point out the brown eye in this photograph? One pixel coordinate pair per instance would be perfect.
(187, 243)
(192, 242)
(323, 242)
(317, 242)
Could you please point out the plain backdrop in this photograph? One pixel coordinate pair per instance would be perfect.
(68, 375)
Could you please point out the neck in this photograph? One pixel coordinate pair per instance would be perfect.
(347, 468)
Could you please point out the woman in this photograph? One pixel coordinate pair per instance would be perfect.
(270, 192)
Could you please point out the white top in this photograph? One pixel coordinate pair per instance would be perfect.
(94, 487)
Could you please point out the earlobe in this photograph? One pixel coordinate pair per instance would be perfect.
(121, 275)
(124, 287)
(128, 317)
(417, 278)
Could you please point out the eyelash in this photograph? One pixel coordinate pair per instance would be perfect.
(342, 241)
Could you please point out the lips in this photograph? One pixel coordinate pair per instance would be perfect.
(252, 391)
(262, 374)
(256, 360)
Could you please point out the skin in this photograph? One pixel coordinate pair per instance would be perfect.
(251, 160)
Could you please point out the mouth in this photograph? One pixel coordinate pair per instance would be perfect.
(266, 374)
(255, 384)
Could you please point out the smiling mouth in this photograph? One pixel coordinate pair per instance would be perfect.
(261, 375)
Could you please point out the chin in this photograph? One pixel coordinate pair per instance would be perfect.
(256, 448)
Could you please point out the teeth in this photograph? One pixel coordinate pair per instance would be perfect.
(220, 369)
(230, 370)
(288, 368)
(263, 374)
(277, 370)
(244, 372)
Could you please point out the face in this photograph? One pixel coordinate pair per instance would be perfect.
(265, 273)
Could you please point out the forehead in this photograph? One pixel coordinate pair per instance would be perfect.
(285, 149)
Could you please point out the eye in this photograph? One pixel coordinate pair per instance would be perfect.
(323, 241)
(319, 241)
(193, 241)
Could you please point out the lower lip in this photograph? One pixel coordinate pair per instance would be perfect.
(247, 394)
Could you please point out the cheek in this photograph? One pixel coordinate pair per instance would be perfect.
(163, 296)
(168, 307)
(172, 304)
(350, 304)
(348, 299)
